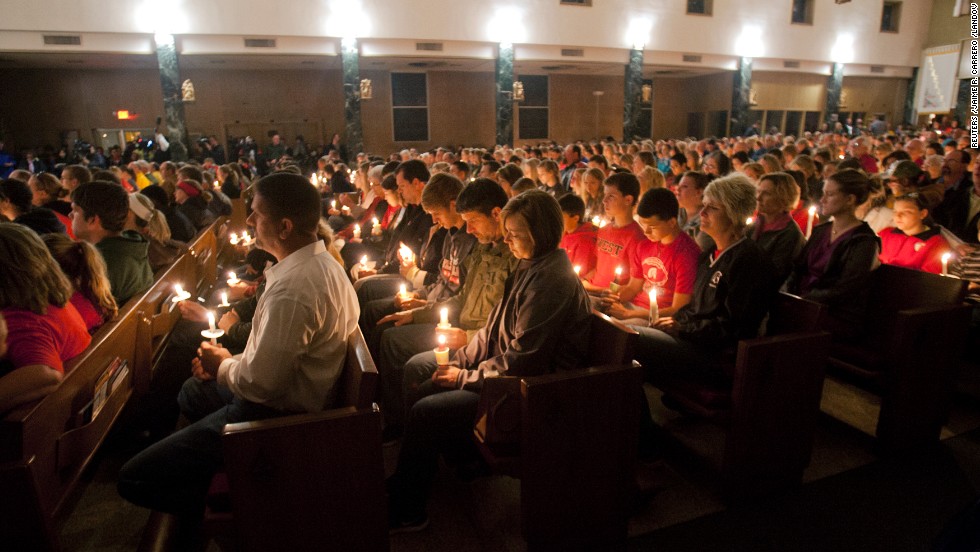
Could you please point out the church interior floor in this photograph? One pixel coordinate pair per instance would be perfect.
(851, 499)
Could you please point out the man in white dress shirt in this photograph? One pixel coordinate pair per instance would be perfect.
(291, 363)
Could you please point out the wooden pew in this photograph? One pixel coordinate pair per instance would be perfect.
(577, 447)
(917, 328)
(769, 411)
(311, 481)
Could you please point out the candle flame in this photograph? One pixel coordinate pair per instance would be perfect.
(442, 340)
(375, 221)
(577, 269)
(653, 296)
(179, 290)
(364, 260)
(946, 256)
(403, 290)
(812, 210)
(596, 220)
(749, 221)
(619, 271)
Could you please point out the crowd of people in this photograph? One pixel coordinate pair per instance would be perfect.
(461, 264)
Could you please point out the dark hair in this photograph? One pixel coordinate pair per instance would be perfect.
(849, 163)
(626, 183)
(680, 158)
(647, 158)
(800, 180)
(482, 195)
(413, 169)
(658, 202)
(492, 165)
(156, 194)
(572, 205)
(79, 173)
(853, 182)
(701, 180)
(522, 185)
(510, 172)
(389, 183)
(917, 198)
(741, 156)
(543, 216)
(290, 196)
(724, 163)
(190, 172)
(106, 176)
(600, 159)
(18, 192)
(106, 200)
(936, 147)
(462, 166)
(442, 189)
(389, 168)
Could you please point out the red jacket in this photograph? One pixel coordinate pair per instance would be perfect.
(580, 246)
(922, 251)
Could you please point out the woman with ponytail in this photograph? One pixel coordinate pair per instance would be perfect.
(152, 224)
(48, 192)
(85, 269)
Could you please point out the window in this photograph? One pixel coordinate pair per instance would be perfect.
(410, 107)
(699, 7)
(718, 123)
(802, 12)
(793, 121)
(695, 124)
(891, 13)
(811, 121)
(774, 120)
(533, 112)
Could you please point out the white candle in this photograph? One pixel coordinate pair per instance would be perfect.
(405, 253)
(211, 321)
(233, 239)
(444, 318)
(333, 203)
(357, 231)
(313, 179)
(442, 352)
(654, 307)
(596, 220)
(364, 262)
(945, 260)
(811, 213)
(403, 292)
(224, 300)
(375, 227)
(181, 295)
(232, 278)
(577, 269)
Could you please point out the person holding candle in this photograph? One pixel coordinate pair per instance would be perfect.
(666, 261)
(773, 228)
(540, 326)
(291, 363)
(579, 236)
(835, 265)
(727, 303)
(615, 241)
(405, 347)
(911, 242)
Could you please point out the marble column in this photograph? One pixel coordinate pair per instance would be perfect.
(908, 114)
(505, 99)
(741, 93)
(175, 127)
(349, 59)
(962, 109)
(835, 84)
(633, 100)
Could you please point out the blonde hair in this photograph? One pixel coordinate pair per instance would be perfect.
(30, 279)
(156, 226)
(47, 183)
(325, 233)
(650, 178)
(736, 194)
(85, 268)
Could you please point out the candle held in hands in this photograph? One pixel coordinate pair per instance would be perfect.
(442, 352)
(224, 300)
(811, 213)
(212, 333)
(232, 279)
(945, 260)
(181, 295)
(654, 307)
(444, 318)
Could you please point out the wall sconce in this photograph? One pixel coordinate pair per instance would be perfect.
(366, 91)
(516, 92)
(646, 93)
(753, 97)
(187, 92)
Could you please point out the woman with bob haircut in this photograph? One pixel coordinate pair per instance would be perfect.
(773, 229)
(44, 329)
(85, 269)
(727, 303)
(541, 325)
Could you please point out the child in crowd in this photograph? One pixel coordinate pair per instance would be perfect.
(911, 243)
(615, 241)
(579, 238)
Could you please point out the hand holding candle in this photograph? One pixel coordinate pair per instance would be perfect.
(945, 260)
(442, 352)
(233, 279)
(357, 231)
(406, 255)
(375, 227)
(212, 333)
(614, 284)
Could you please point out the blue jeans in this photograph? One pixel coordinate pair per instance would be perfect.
(440, 422)
(173, 474)
(399, 345)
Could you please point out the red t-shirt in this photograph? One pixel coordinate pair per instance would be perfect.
(90, 313)
(580, 246)
(613, 249)
(48, 339)
(670, 268)
(922, 251)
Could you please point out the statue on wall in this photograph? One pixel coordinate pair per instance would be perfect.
(187, 91)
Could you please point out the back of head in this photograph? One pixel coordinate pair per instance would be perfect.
(522, 185)
(442, 189)
(106, 176)
(511, 173)
(31, 278)
(18, 192)
(105, 200)
(290, 196)
(156, 194)
(542, 214)
(572, 205)
(658, 202)
(79, 173)
(482, 195)
(85, 268)
(49, 184)
(412, 170)
(190, 172)
(147, 216)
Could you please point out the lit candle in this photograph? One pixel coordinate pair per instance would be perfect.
(181, 294)
(375, 227)
(216, 185)
(212, 333)
(596, 220)
(442, 352)
(345, 210)
(405, 253)
(577, 269)
(654, 307)
(333, 203)
(357, 231)
(364, 262)
(224, 300)
(232, 279)
(945, 260)
(443, 318)
(313, 179)
(811, 213)
(233, 239)
(749, 221)
(614, 284)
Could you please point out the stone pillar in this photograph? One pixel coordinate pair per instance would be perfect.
(741, 93)
(505, 99)
(962, 109)
(835, 84)
(349, 59)
(908, 114)
(173, 104)
(632, 99)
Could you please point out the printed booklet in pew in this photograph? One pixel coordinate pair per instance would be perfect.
(110, 379)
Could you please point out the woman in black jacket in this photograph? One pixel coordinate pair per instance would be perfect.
(192, 201)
